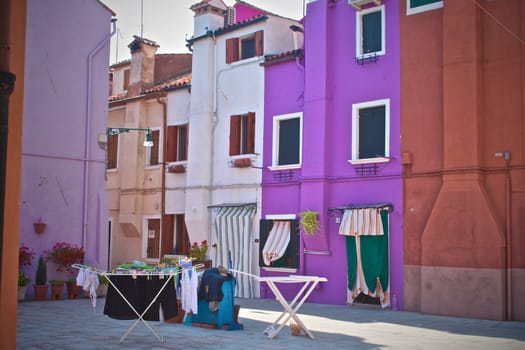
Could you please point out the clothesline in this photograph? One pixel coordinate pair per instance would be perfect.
(137, 271)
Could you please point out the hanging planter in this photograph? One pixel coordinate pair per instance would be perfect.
(40, 227)
(310, 222)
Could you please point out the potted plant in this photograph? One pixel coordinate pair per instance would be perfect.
(102, 288)
(198, 253)
(39, 226)
(40, 285)
(23, 281)
(63, 255)
(57, 288)
(25, 256)
(310, 221)
(73, 291)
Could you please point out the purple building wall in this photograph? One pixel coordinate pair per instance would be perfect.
(332, 82)
(246, 11)
(65, 111)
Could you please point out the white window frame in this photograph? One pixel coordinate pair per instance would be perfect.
(355, 131)
(283, 217)
(359, 32)
(419, 9)
(275, 141)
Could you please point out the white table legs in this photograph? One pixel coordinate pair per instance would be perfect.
(290, 310)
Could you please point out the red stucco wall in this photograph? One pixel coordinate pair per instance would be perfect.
(462, 93)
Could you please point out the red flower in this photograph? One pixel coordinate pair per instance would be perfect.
(25, 256)
(199, 251)
(64, 255)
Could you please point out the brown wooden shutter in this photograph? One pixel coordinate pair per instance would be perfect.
(232, 50)
(126, 79)
(171, 152)
(154, 152)
(168, 227)
(235, 135)
(112, 152)
(251, 132)
(259, 43)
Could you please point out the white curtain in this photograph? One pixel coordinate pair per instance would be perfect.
(234, 229)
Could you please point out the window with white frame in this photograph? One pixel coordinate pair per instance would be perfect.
(287, 140)
(177, 147)
(371, 131)
(370, 31)
(279, 242)
(152, 157)
(242, 134)
(417, 6)
(245, 47)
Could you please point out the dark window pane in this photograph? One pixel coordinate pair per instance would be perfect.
(417, 3)
(289, 141)
(154, 151)
(182, 140)
(372, 32)
(247, 48)
(244, 134)
(371, 132)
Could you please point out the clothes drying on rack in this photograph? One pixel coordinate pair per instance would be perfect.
(139, 291)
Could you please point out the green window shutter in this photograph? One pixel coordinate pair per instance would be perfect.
(418, 3)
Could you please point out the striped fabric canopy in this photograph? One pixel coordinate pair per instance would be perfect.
(277, 242)
(361, 222)
(234, 229)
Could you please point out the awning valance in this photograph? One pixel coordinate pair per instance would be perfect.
(361, 222)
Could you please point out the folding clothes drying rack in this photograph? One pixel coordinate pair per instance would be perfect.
(169, 272)
(290, 309)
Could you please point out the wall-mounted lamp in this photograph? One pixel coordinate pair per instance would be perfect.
(148, 141)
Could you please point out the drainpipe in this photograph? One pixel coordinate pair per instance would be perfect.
(508, 233)
(161, 99)
(87, 129)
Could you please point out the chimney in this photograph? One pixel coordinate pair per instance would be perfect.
(142, 65)
(298, 37)
(209, 15)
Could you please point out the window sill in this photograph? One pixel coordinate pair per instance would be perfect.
(284, 167)
(369, 160)
(280, 269)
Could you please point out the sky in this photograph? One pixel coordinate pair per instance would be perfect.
(170, 22)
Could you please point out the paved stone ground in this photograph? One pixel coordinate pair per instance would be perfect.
(74, 324)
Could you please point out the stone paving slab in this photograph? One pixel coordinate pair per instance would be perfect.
(74, 324)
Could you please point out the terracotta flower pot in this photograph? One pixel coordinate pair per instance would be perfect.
(73, 291)
(40, 292)
(57, 290)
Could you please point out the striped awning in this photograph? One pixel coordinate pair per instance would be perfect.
(361, 222)
(234, 237)
(277, 242)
